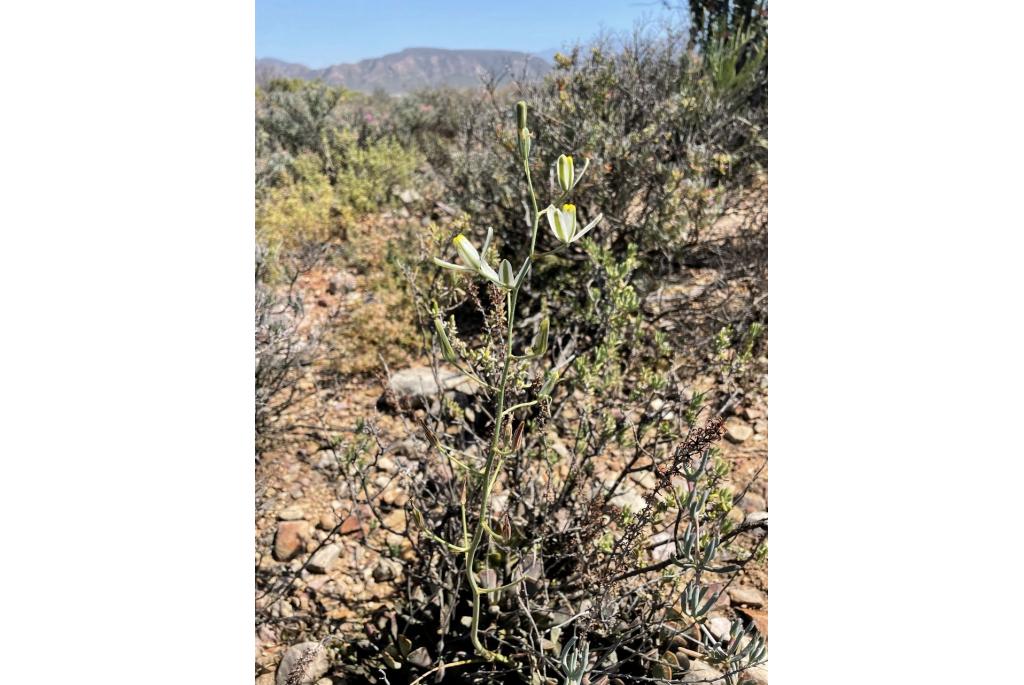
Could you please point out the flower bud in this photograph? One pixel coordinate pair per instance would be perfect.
(466, 250)
(505, 274)
(521, 114)
(524, 142)
(566, 172)
(540, 343)
(446, 345)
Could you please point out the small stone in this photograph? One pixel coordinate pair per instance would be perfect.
(317, 583)
(419, 657)
(719, 626)
(265, 679)
(744, 594)
(758, 675)
(756, 518)
(701, 672)
(314, 669)
(292, 513)
(289, 539)
(327, 522)
(341, 283)
(418, 382)
(325, 681)
(385, 570)
(737, 430)
(409, 195)
(753, 502)
(629, 499)
(352, 526)
(324, 558)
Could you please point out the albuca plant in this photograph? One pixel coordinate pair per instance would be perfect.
(504, 442)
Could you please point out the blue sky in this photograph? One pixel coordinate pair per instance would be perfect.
(319, 33)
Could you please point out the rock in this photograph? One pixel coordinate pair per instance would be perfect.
(744, 594)
(292, 513)
(756, 518)
(325, 681)
(409, 196)
(265, 679)
(737, 430)
(289, 539)
(394, 496)
(351, 526)
(327, 522)
(645, 479)
(719, 626)
(759, 617)
(386, 570)
(629, 499)
(418, 382)
(419, 657)
(752, 413)
(310, 658)
(758, 675)
(342, 283)
(701, 672)
(324, 558)
(752, 502)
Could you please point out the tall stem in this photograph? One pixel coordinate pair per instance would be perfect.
(536, 212)
(492, 454)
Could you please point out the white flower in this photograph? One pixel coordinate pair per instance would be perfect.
(475, 262)
(563, 223)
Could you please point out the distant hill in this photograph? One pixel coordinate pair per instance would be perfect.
(411, 69)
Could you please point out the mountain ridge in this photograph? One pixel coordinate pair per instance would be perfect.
(411, 69)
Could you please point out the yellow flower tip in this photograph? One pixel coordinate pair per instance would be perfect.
(458, 238)
(569, 157)
(569, 208)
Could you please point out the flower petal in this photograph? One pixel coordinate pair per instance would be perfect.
(587, 228)
(454, 267)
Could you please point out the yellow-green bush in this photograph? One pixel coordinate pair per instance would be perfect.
(367, 175)
(298, 210)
